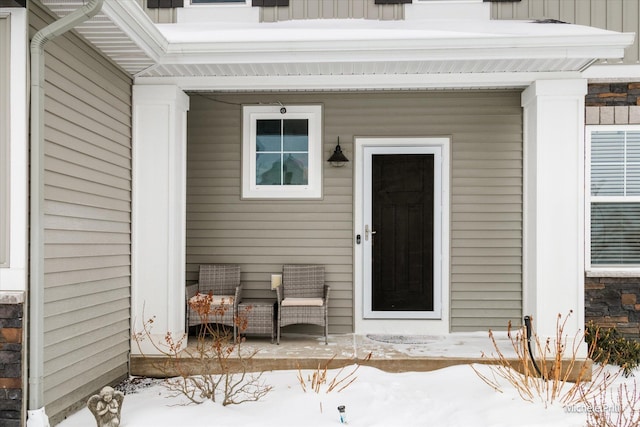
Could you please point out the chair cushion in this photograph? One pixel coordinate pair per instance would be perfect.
(222, 300)
(215, 300)
(311, 302)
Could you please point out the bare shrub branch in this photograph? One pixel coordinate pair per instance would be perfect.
(319, 377)
(618, 409)
(546, 378)
(216, 367)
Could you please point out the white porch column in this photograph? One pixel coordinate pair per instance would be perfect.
(159, 204)
(554, 204)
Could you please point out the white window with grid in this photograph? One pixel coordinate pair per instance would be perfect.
(613, 198)
(282, 152)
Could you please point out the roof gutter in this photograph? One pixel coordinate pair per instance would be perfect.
(36, 414)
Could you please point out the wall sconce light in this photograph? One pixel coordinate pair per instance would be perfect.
(338, 159)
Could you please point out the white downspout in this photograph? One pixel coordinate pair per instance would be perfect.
(36, 416)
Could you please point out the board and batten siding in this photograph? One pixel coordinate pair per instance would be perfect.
(302, 9)
(332, 9)
(262, 235)
(614, 15)
(159, 15)
(87, 220)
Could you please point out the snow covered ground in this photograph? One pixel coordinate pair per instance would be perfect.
(453, 396)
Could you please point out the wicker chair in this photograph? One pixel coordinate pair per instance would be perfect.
(223, 282)
(303, 297)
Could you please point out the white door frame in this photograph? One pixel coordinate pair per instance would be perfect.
(365, 321)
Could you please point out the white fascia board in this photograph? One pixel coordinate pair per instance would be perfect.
(134, 22)
(609, 45)
(612, 72)
(363, 52)
(358, 39)
(355, 82)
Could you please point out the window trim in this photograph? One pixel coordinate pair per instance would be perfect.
(252, 113)
(591, 270)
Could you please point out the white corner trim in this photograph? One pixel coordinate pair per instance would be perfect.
(14, 278)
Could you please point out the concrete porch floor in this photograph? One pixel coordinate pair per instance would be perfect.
(391, 353)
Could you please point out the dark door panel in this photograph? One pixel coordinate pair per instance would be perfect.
(403, 194)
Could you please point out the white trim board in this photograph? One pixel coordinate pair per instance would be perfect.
(439, 324)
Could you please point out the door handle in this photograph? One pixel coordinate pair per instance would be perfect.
(367, 232)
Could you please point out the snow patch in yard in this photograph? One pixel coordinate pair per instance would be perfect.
(449, 397)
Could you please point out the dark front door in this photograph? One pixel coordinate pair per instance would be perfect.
(402, 219)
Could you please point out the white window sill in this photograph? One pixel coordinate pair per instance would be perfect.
(11, 297)
(614, 272)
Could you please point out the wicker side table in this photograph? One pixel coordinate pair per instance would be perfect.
(260, 316)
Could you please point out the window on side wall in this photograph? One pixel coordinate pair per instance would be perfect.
(613, 199)
(282, 152)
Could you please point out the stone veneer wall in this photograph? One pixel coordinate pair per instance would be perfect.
(613, 301)
(11, 356)
(613, 104)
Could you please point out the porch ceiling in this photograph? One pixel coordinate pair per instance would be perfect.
(300, 54)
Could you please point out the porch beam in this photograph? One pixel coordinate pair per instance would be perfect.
(363, 82)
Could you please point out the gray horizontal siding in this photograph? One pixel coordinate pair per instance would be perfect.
(486, 230)
(486, 199)
(615, 15)
(87, 220)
